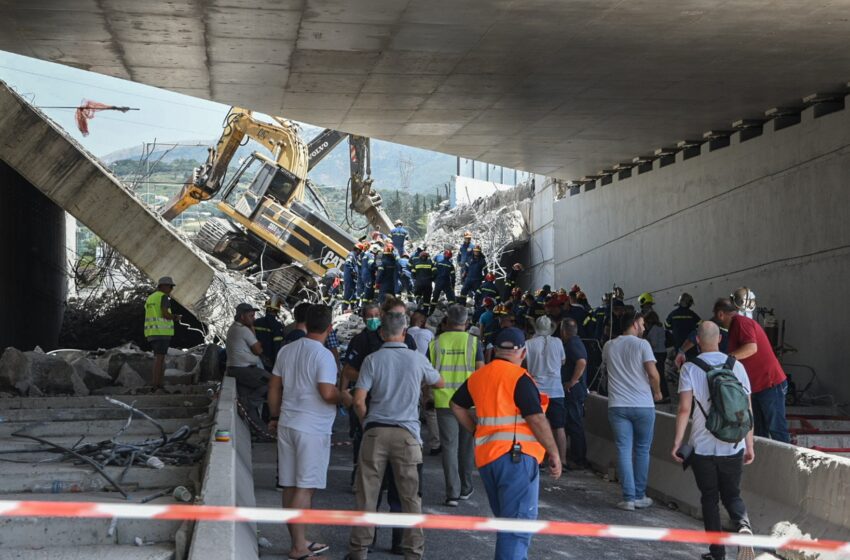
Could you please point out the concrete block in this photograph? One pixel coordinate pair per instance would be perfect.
(89, 372)
(35, 372)
(178, 377)
(128, 377)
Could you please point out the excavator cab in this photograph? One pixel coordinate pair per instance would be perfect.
(257, 177)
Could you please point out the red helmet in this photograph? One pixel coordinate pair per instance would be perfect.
(516, 291)
(489, 277)
(447, 253)
(489, 302)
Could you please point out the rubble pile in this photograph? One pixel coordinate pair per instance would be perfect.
(121, 370)
(497, 222)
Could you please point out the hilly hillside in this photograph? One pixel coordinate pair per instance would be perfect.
(426, 169)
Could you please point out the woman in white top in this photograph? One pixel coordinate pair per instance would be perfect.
(545, 356)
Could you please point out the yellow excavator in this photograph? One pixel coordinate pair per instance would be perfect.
(267, 223)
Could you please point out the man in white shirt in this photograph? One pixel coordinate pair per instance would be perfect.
(305, 372)
(244, 363)
(423, 336)
(544, 358)
(633, 386)
(717, 465)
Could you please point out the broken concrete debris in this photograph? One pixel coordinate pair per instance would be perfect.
(80, 373)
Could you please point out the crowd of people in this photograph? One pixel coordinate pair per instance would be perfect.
(525, 362)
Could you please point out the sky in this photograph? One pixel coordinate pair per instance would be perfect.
(163, 115)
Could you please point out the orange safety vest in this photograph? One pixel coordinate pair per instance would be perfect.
(498, 418)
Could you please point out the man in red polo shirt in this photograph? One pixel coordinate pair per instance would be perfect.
(749, 344)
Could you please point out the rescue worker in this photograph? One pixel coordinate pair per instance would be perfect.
(455, 354)
(464, 253)
(487, 322)
(646, 301)
(682, 320)
(159, 326)
(330, 284)
(423, 280)
(745, 300)
(399, 235)
(599, 317)
(512, 437)
(405, 275)
(488, 288)
(269, 332)
(474, 274)
(512, 281)
(387, 276)
(444, 279)
(350, 270)
(366, 278)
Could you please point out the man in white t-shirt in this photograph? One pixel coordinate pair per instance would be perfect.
(305, 372)
(718, 465)
(544, 358)
(244, 363)
(423, 336)
(633, 388)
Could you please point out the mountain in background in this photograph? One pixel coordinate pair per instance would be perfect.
(427, 170)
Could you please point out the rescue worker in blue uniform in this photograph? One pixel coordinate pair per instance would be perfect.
(488, 289)
(399, 235)
(423, 280)
(464, 253)
(682, 320)
(512, 280)
(350, 271)
(387, 277)
(366, 279)
(444, 279)
(405, 276)
(474, 274)
(269, 332)
(598, 317)
(487, 320)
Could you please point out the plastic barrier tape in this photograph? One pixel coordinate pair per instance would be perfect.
(424, 521)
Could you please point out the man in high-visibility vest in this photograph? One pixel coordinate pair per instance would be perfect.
(455, 354)
(159, 326)
(512, 436)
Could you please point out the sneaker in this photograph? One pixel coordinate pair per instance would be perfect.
(436, 451)
(746, 552)
(643, 503)
(451, 502)
(467, 495)
(626, 506)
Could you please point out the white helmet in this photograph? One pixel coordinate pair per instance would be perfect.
(745, 300)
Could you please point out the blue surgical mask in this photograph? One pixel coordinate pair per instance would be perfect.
(373, 323)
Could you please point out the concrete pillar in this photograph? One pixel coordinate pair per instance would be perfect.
(33, 272)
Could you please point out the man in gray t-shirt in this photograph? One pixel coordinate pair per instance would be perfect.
(392, 377)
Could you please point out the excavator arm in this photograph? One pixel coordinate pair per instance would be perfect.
(364, 199)
(281, 139)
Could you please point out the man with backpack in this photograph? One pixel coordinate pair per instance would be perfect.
(721, 440)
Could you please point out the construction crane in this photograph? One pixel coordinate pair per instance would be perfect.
(267, 225)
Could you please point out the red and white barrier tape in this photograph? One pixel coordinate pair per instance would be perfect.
(446, 522)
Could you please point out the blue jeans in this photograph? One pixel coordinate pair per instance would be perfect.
(769, 413)
(512, 490)
(632, 427)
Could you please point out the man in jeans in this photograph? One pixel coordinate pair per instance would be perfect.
(749, 343)
(392, 377)
(633, 385)
(574, 378)
(455, 354)
(717, 465)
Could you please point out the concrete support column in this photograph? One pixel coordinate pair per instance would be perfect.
(33, 270)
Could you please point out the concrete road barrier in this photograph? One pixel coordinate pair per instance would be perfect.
(805, 488)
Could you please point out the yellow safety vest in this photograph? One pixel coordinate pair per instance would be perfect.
(453, 355)
(155, 323)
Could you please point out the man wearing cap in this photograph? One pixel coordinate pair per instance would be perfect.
(159, 326)
(512, 436)
(244, 363)
(455, 354)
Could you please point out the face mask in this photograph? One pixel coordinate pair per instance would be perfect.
(373, 323)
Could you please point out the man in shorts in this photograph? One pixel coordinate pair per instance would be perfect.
(159, 326)
(305, 373)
